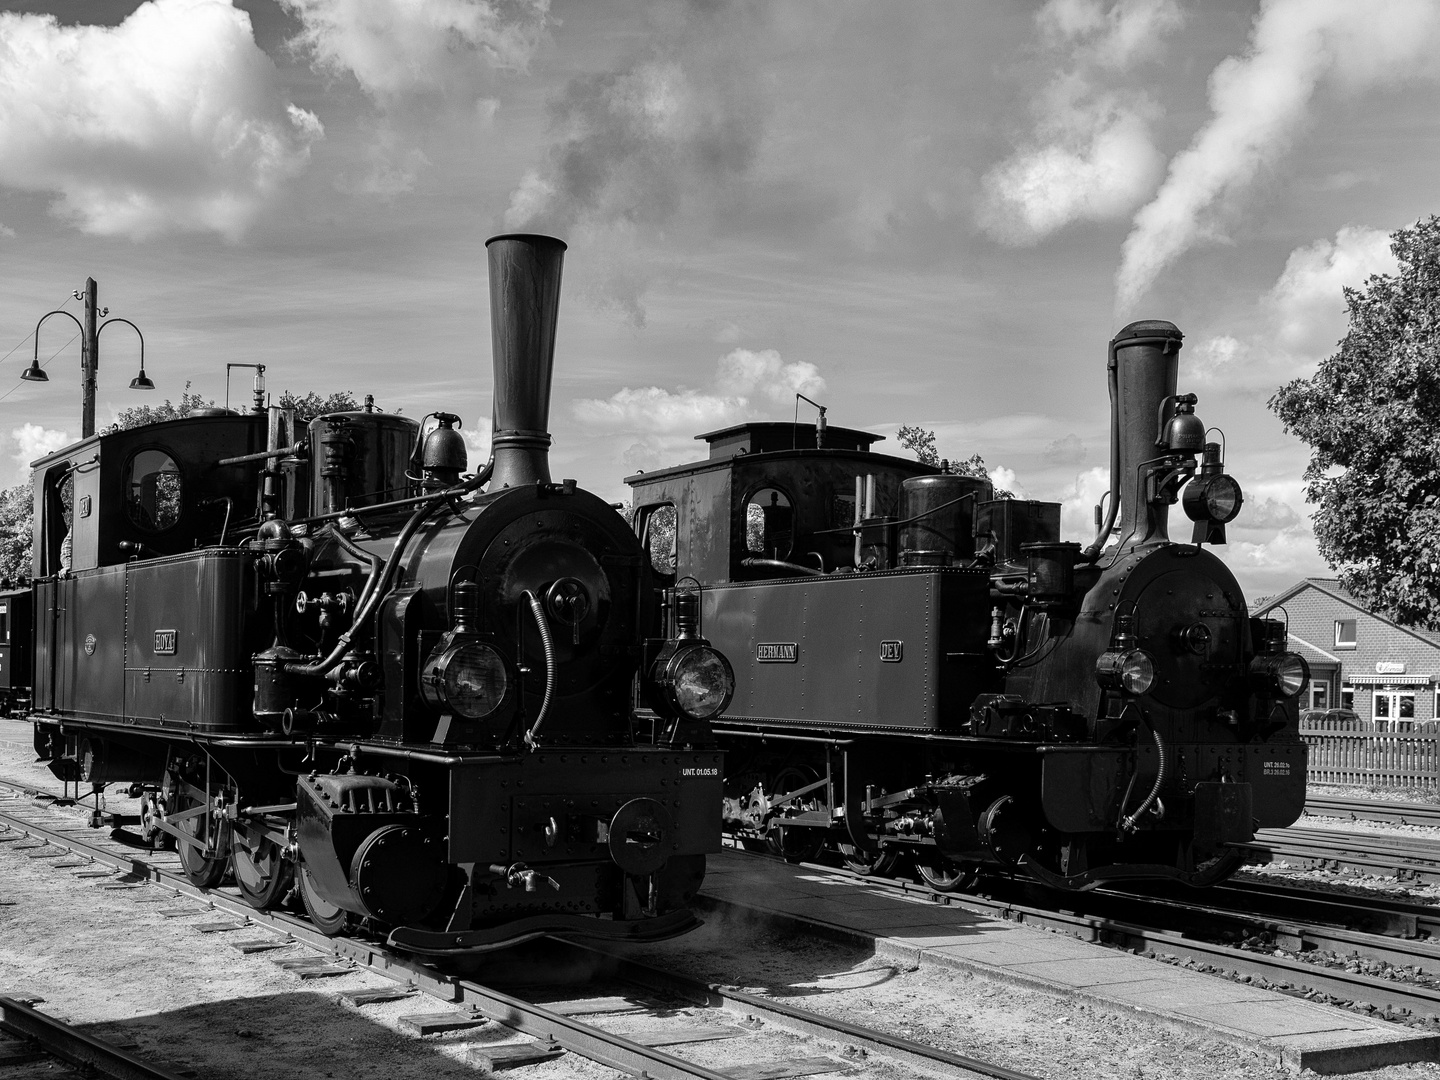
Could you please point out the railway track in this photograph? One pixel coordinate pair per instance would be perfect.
(31, 1037)
(1406, 858)
(639, 1020)
(1398, 813)
(1189, 932)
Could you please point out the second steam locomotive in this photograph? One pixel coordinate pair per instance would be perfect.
(924, 669)
(327, 658)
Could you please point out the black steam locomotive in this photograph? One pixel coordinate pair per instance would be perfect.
(324, 655)
(924, 669)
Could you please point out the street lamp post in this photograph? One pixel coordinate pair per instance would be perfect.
(89, 355)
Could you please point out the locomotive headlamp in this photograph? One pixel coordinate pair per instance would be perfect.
(468, 679)
(1130, 670)
(1214, 498)
(693, 679)
(1283, 674)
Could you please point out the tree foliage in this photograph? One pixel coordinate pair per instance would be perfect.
(1369, 415)
(921, 442)
(307, 407)
(15, 537)
(140, 415)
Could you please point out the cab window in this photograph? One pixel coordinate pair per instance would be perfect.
(153, 492)
(769, 524)
(656, 527)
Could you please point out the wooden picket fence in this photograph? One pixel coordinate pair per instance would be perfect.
(1353, 753)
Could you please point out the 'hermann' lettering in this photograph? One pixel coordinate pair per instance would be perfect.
(777, 652)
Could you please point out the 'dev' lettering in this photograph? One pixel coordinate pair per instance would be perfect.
(710, 770)
(1276, 768)
(777, 652)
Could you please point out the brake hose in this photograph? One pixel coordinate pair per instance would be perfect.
(1128, 824)
(548, 646)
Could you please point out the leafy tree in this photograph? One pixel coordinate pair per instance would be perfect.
(16, 510)
(313, 405)
(1369, 415)
(140, 415)
(921, 442)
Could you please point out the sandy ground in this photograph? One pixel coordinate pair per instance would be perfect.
(100, 957)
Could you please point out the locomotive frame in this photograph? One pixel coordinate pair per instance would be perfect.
(926, 670)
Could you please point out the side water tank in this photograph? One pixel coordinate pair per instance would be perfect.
(359, 459)
(937, 515)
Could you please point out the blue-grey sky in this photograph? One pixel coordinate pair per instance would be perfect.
(927, 213)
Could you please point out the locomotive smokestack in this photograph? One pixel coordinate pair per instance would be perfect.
(1144, 359)
(524, 309)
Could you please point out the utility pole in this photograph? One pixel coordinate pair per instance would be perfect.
(89, 361)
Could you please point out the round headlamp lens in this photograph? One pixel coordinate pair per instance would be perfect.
(1284, 675)
(472, 680)
(1137, 671)
(1131, 670)
(1222, 498)
(700, 682)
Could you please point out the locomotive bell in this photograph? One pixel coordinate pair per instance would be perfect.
(1185, 432)
(443, 457)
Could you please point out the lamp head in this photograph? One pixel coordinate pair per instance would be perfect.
(35, 373)
(141, 382)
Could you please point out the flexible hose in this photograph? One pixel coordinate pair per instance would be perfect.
(370, 597)
(1128, 824)
(548, 646)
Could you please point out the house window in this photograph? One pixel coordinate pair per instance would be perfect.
(1394, 710)
(1345, 633)
(1347, 698)
(1319, 694)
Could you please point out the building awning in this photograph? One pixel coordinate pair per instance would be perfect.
(1389, 680)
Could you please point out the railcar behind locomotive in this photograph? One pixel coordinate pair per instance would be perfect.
(923, 668)
(327, 655)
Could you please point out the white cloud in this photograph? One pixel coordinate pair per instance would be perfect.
(7, 232)
(391, 169)
(33, 441)
(1005, 480)
(677, 127)
(744, 372)
(682, 411)
(1262, 102)
(660, 425)
(396, 47)
(1308, 302)
(1090, 157)
(172, 121)
(1301, 316)
(1077, 509)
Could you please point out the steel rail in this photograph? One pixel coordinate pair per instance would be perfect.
(59, 1039)
(788, 1017)
(593, 1043)
(528, 1018)
(1402, 813)
(1380, 855)
(1336, 983)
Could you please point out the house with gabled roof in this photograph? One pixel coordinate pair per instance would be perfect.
(1360, 660)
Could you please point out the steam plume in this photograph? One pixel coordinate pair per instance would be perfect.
(1261, 104)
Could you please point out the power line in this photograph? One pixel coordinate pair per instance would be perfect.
(52, 356)
(27, 337)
